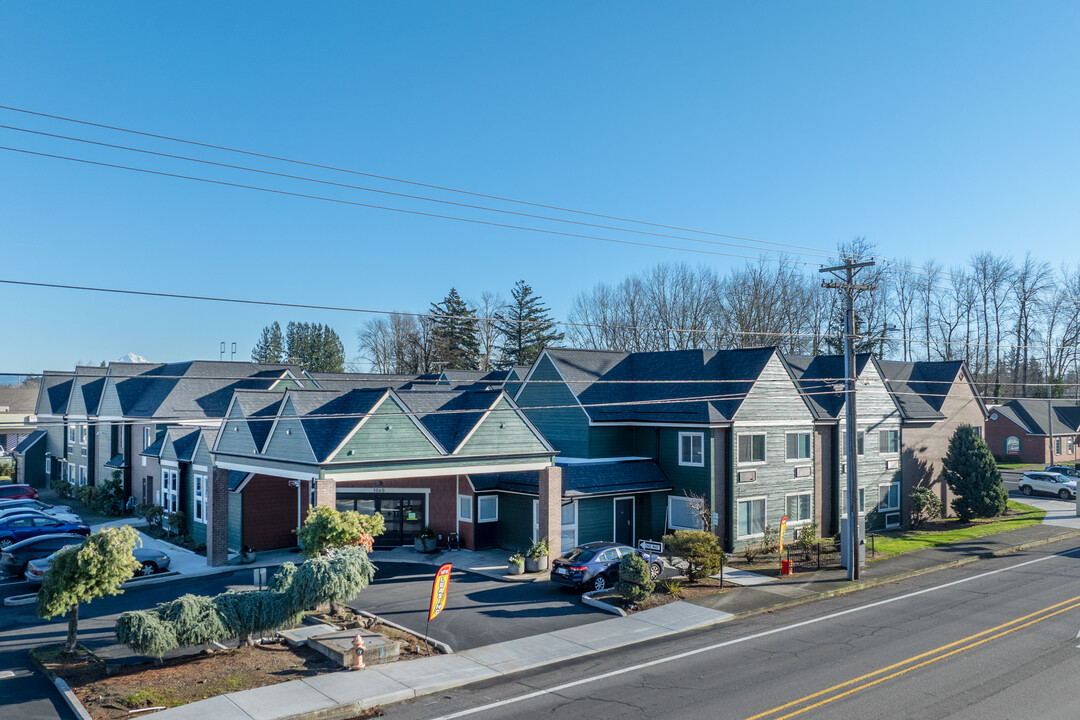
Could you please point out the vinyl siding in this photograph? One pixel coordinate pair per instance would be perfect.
(515, 521)
(611, 441)
(651, 511)
(502, 432)
(373, 441)
(235, 437)
(288, 441)
(596, 519)
(565, 426)
(236, 520)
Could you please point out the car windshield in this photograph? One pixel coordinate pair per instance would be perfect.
(580, 555)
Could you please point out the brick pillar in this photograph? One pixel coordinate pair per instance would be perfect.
(549, 515)
(217, 518)
(325, 493)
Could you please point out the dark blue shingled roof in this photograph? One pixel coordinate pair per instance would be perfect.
(592, 478)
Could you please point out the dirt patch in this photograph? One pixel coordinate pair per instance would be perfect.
(182, 680)
(412, 647)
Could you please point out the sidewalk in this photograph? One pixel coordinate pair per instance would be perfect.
(344, 694)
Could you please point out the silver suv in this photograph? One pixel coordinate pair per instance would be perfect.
(1049, 483)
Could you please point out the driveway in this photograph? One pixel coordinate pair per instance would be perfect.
(479, 611)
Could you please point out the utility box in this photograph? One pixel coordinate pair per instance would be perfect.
(845, 545)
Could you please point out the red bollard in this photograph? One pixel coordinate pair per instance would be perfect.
(785, 567)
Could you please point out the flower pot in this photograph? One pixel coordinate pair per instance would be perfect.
(515, 568)
(425, 545)
(247, 557)
(536, 564)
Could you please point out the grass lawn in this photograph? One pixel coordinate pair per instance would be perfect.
(1017, 466)
(943, 532)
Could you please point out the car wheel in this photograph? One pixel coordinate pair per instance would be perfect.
(654, 571)
(599, 582)
(1064, 494)
(1026, 489)
(5, 543)
(147, 568)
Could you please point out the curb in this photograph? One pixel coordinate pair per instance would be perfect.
(16, 600)
(876, 582)
(589, 600)
(535, 577)
(63, 688)
(443, 647)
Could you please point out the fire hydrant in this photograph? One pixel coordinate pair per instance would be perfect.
(358, 648)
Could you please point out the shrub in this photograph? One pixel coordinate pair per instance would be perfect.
(538, 549)
(806, 540)
(971, 473)
(672, 587)
(698, 549)
(244, 615)
(750, 552)
(85, 493)
(283, 578)
(151, 513)
(924, 506)
(109, 498)
(634, 582)
(770, 541)
(145, 632)
(326, 528)
(194, 620)
(177, 522)
(62, 487)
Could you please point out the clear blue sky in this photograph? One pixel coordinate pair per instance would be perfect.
(935, 129)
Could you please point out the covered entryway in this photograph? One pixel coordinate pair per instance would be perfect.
(624, 520)
(404, 513)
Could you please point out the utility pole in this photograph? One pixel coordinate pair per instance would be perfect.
(845, 275)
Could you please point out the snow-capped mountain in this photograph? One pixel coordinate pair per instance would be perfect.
(132, 358)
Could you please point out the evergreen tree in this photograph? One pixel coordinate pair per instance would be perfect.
(527, 326)
(972, 474)
(456, 344)
(270, 347)
(315, 347)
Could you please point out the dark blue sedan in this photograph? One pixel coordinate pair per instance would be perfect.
(595, 565)
(24, 527)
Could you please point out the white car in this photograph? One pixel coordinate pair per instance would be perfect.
(1048, 483)
(68, 517)
(34, 504)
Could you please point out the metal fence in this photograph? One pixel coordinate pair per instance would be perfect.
(822, 554)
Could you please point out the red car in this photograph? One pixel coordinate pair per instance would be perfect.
(17, 492)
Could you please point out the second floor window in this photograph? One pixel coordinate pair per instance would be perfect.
(145, 437)
(71, 433)
(82, 434)
(752, 448)
(889, 441)
(199, 498)
(860, 438)
(692, 449)
(798, 446)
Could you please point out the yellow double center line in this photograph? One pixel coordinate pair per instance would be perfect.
(836, 692)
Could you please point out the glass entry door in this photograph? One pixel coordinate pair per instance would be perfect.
(403, 514)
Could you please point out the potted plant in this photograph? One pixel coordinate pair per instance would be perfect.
(424, 541)
(247, 554)
(536, 559)
(515, 565)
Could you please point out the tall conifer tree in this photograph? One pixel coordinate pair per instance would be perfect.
(527, 326)
(456, 342)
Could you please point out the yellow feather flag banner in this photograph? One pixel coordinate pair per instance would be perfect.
(783, 532)
(439, 590)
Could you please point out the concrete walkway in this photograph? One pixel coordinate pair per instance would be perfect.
(344, 694)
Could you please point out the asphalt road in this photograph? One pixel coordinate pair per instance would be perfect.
(995, 639)
(400, 593)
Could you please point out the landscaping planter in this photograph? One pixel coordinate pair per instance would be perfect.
(534, 565)
(425, 545)
(515, 568)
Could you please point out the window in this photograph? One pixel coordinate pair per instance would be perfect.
(145, 438)
(798, 446)
(692, 449)
(1069, 444)
(170, 491)
(82, 434)
(889, 496)
(1057, 445)
(199, 499)
(799, 508)
(889, 441)
(752, 448)
(683, 513)
(119, 438)
(978, 431)
(746, 476)
(487, 508)
(860, 441)
(843, 500)
(82, 474)
(464, 508)
(751, 517)
(71, 433)
(569, 526)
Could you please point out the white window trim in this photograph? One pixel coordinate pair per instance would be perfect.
(798, 459)
(480, 500)
(461, 516)
(691, 435)
(167, 492)
(72, 434)
(569, 526)
(84, 432)
(797, 523)
(843, 501)
(740, 501)
(764, 449)
(668, 522)
(198, 492)
(895, 523)
(84, 478)
(888, 491)
(843, 443)
(890, 452)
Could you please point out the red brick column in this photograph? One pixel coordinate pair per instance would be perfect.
(549, 516)
(217, 518)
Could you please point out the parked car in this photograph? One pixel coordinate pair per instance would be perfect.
(16, 511)
(1064, 470)
(151, 560)
(32, 504)
(1049, 483)
(23, 527)
(13, 560)
(595, 565)
(17, 492)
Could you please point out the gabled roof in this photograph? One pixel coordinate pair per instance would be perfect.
(920, 388)
(1035, 414)
(674, 386)
(259, 408)
(87, 389)
(475, 379)
(821, 378)
(450, 414)
(29, 441)
(54, 392)
(592, 478)
(184, 441)
(359, 381)
(19, 398)
(154, 448)
(328, 416)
